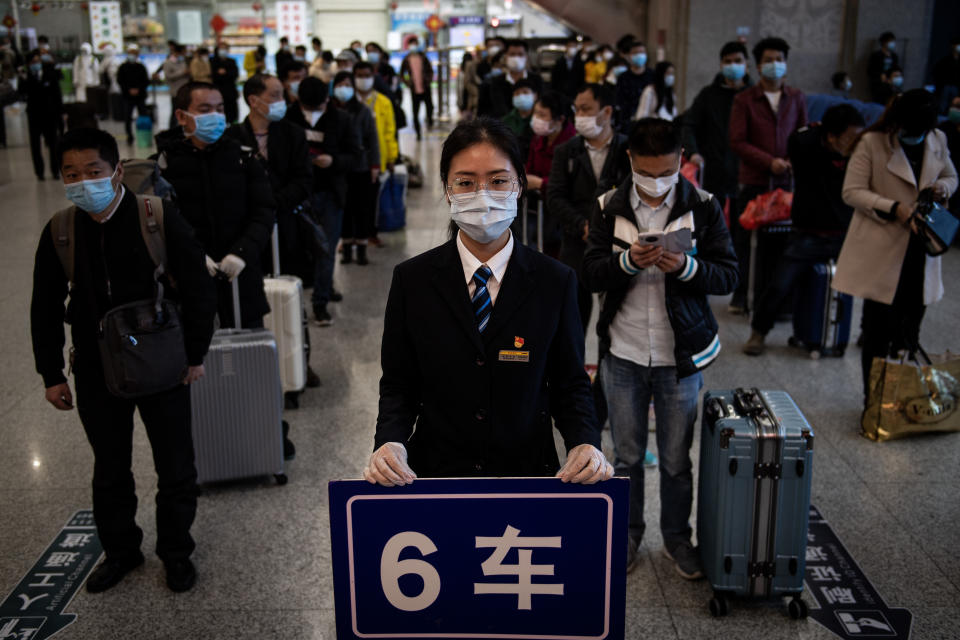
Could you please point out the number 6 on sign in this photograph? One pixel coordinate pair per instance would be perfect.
(392, 568)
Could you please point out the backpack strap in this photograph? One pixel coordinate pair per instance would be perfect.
(150, 209)
(62, 227)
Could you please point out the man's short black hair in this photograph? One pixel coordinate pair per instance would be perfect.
(185, 95)
(624, 43)
(360, 66)
(636, 43)
(284, 40)
(517, 43)
(291, 67)
(600, 92)
(316, 41)
(767, 44)
(255, 85)
(525, 83)
(733, 47)
(886, 37)
(894, 69)
(840, 117)
(86, 138)
(300, 47)
(654, 137)
(837, 79)
(313, 92)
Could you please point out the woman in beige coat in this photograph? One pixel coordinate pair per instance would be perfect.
(883, 259)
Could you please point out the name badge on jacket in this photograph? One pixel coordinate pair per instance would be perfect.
(515, 356)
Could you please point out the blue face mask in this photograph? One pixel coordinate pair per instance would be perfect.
(210, 126)
(36, 67)
(774, 70)
(734, 71)
(47, 57)
(523, 101)
(639, 59)
(897, 81)
(496, 71)
(294, 88)
(669, 80)
(911, 140)
(373, 57)
(276, 111)
(344, 93)
(92, 196)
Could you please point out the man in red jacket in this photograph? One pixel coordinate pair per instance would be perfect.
(761, 121)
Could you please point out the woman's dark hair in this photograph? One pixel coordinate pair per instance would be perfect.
(86, 138)
(313, 92)
(558, 105)
(479, 130)
(770, 44)
(327, 56)
(376, 46)
(914, 112)
(665, 94)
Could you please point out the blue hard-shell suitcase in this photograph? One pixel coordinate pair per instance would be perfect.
(756, 459)
(392, 209)
(821, 316)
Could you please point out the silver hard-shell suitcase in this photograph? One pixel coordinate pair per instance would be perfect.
(237, 405)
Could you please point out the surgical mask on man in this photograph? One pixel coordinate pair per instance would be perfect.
(92, 196)
(294, 88)
(276, 111)
(639, 59)
(734, 71)
(492, 51)
(373, 57)
(541, 126)
(364, 85)
(516, 63)
(656, 187)
(897, 81)
(774, 70)
(892, 45)
(483, 217)
(607, 55)
(587, 126)
(668, 80)
(36, 68)
(209, 126)
(523, 101)
(847, 84)
(344, 93)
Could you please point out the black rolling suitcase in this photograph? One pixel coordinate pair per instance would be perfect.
(821, 316)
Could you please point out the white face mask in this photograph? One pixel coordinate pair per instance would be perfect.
(516, 63)
(588, 127)
(542, 127)
(656, 187)
(364, 84)
(483, 217)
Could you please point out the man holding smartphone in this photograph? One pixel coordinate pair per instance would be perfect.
(656, 329)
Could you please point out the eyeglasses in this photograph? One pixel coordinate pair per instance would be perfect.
(499, 187)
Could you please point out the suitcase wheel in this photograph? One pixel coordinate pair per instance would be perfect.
(281, 479)
(719, 605)
(797, 608)
(815, 354)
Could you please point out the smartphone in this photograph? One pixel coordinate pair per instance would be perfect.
(652, 238)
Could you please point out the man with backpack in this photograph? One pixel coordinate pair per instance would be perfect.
(110, 253)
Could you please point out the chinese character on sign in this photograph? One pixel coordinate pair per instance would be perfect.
(811, 537)
(60, 559)
(816, 554)
(45, 582)
(838, 594)
(524, 570)
(9, 630)
(74, 540)
(825, 574)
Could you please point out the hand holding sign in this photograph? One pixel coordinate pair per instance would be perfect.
(388, 466)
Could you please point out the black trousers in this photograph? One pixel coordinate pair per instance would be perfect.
(361, 206)
(129, 102)
(425, 99)
(890, 328)
(571, 254)
(48, 128)
(108, 422)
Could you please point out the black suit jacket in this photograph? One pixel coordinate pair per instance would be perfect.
(446, 395)
(568, 80)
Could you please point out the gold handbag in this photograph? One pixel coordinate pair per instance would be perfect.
(907, 398)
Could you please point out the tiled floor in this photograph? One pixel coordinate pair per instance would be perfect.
(263, 551)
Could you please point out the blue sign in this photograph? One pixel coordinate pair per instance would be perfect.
(462, 21)
(480, 558)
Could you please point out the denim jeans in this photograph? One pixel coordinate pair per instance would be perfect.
(330, 216)
(629, 388)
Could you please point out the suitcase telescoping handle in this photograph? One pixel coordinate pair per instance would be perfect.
(275, 250)
(235, 294)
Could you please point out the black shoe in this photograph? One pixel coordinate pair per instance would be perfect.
(324, 319)
(181, 575)
(313, 380)
(40, 178)
(289, 451)
(111, 571)
(291, 400)
(336, 296)
(346, 253)
(362, 255)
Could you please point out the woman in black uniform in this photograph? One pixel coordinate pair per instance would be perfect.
(482, 345)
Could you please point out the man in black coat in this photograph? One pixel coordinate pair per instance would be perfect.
(584, 167)
(224, 194)
(41, 86)
(334, 148)
(134, 81)
(113, 267)
(225, 73)
(496, 93)
(568, 73)
(284, 55)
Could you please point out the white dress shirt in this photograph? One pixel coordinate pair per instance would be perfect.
(497, 264)
(641, 331)
(598, 156)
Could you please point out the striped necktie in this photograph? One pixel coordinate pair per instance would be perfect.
(482, 305)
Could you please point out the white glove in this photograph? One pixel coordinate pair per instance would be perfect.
(231, 266)
(211, 267)
(388, 466)
(585, 465)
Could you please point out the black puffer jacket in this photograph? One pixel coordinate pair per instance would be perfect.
(225, 195)
(710, 269)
